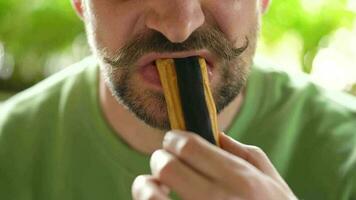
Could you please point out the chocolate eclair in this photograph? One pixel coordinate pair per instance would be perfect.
(190, 103)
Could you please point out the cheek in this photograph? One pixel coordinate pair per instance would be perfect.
(113, 22)
(236, 18)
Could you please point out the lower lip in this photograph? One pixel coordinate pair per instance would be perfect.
(150, 75)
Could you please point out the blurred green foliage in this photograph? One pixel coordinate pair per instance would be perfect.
(36, 30)
(31, 31)
(4, 96)
(312, 20)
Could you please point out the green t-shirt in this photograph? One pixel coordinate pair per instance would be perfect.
(55, 143)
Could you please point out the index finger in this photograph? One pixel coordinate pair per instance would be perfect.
(204, 157)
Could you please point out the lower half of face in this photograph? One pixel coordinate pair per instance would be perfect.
(149, 104)
(138, 89)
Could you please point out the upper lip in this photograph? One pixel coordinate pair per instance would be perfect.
(151, 57)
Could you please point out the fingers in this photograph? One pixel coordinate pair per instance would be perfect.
(145, 187)
(195, 169)
(208, 159)
(251, 154)
(186, 182)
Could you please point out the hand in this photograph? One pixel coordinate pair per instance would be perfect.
(195, 169)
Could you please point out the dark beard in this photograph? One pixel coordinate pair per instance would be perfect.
(150, 106)
(233, 81)
(146, 105)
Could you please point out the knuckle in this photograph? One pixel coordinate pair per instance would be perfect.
(252, 183)
(256, 151)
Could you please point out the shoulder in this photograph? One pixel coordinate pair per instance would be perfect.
(287, 85)
(43, 99)
(319, 110)
(324, 127)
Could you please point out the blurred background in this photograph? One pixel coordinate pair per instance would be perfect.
(40, 37)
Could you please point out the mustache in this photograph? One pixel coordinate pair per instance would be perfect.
(203, 38)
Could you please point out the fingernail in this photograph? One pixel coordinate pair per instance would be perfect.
(158, 160)
(173, 141)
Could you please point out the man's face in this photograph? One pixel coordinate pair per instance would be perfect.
(127, 36)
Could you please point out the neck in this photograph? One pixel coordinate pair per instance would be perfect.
(136, 133)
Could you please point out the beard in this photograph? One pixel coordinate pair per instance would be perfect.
(120, 70)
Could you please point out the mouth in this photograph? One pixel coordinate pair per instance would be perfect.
(148, 70)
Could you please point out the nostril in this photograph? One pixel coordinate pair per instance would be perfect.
(176, 20)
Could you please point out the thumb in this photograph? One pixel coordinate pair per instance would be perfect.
(252, 154)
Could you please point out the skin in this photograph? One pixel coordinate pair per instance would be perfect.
(234, 171)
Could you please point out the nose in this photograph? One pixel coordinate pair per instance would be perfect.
(175, 19)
